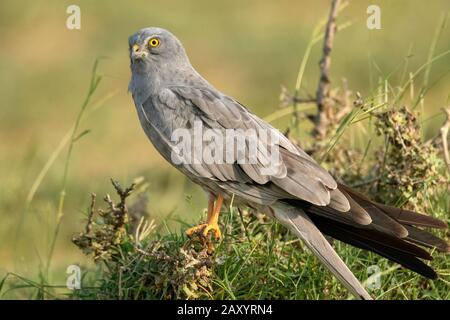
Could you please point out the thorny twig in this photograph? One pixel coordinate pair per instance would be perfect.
(91, 214)
(321, 120)
(288, 99)
(119, 211)
(123, 193)
(98, 239)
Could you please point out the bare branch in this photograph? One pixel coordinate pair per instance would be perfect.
(90, 214)
(321, 119)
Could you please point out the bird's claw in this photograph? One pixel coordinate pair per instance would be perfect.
(203, 230)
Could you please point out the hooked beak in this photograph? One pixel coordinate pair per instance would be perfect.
(137, 54)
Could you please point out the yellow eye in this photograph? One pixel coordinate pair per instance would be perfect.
(153, 42)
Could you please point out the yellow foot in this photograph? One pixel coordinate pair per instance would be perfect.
(203, 229)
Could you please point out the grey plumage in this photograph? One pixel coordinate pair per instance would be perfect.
(299, 223)
(169, 94)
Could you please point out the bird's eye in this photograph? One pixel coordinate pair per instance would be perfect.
(153, 42)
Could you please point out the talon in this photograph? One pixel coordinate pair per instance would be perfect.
(196, 229)
(211, 221)
(214, 228)
(203, 229)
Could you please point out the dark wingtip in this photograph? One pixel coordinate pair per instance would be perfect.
(437, 223)
(432, 275)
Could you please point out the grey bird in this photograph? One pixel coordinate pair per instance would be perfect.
(170, 94)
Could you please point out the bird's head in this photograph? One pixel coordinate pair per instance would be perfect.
(152, 49)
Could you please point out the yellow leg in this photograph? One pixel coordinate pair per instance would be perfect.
(211, 220)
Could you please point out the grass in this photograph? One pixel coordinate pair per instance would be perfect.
(69, 140)
(95, 81)
(257, 258)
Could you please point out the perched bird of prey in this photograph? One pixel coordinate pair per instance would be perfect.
(170, 95)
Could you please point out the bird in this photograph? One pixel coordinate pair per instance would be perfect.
(291, 187)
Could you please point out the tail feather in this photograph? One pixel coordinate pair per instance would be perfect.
(299, 223)
(391, 232)
(391, 248)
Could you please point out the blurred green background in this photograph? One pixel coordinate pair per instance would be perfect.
(247, 49)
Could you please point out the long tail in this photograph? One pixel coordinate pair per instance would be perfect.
(393, 233)
(299, 223)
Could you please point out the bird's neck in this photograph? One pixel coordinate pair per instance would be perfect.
(145, 84)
